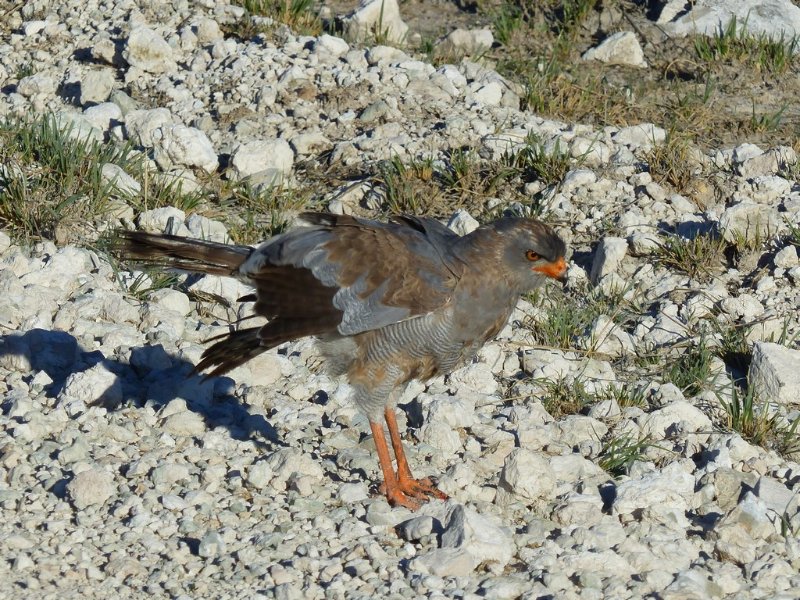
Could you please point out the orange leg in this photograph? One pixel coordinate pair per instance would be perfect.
(394, 494)
(416, 488)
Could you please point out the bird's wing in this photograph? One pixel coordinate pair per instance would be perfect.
(360, 274)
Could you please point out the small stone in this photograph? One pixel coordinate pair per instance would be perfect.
(90, 487)
(211, 545)
(618, 49)
(462, 222)
(148, 51)
(786, 258)
(253, 158)
(526, 475)
(119, 181)
(179, 145)
(372, 15)
(96, 86)
(416, 528)
(775, 373)
(187, 423)
(607, 258)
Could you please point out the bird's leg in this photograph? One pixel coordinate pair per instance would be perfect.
(416, 488)
(394, 494)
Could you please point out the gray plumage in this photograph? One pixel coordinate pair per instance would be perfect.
(389, 302)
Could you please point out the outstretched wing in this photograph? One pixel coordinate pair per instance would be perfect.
(352, 275)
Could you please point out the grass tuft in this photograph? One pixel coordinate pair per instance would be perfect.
(754, 420)
(51, 180)
(618, 454)
(698, 257)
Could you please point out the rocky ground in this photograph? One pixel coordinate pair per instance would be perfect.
(600, 448)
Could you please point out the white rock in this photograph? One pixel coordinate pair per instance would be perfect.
(259, 474)
(103, 115)
(661, 423)
(466, 41)
(207, 229)
(744, 306)
(78, 128)
(376, 17)
(257, 157)
(416, 528)
(606, 337)
(38, 83)
(96, 85)
(186, 423)
(171, 300)
(167, 219)
(667, 491)
(608, 257)
(462, 222)
(441, 436)
(477, 377)
(148, 51)
(618, 49)
(750, 221)
(119, 181)
(772, 18)
(786, 258)
(141, 125)
(92, 486)
(775, 373)
(207, 30)
(96, 385)
(526, 475)
(643, 136)
(444, 562)
(184, 146)
(485, 541)
(328, 46)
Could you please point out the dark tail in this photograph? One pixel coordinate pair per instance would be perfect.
(186, 254)
(237, 347)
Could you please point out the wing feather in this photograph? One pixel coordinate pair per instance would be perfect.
(364, 273)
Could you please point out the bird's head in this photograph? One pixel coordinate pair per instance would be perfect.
(531, 251)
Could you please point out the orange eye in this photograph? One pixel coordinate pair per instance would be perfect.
(532, 256)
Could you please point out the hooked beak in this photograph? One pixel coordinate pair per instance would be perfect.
(556, 269)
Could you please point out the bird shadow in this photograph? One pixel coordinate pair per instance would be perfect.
(152, 377)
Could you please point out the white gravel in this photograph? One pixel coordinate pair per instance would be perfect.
(120, 476)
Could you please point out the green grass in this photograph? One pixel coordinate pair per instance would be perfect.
(50, 180)
(619, 453)
(567, 315)
(254, 214)
(699, 257)
(692, 371)
(732, 42)
(755, 422)
(506, 19)
(562, 397)
(535, 162)
(51, 184)
(149, 281)
(297, 14)
(670, 162)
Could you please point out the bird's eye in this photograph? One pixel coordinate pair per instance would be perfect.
(532, 256)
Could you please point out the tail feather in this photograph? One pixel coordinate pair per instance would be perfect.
(237, 347)
(197, 256)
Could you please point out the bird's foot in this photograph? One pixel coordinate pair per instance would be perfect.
(411, 493)
(421, 489)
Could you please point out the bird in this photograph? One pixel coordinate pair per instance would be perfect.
(387, 302)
